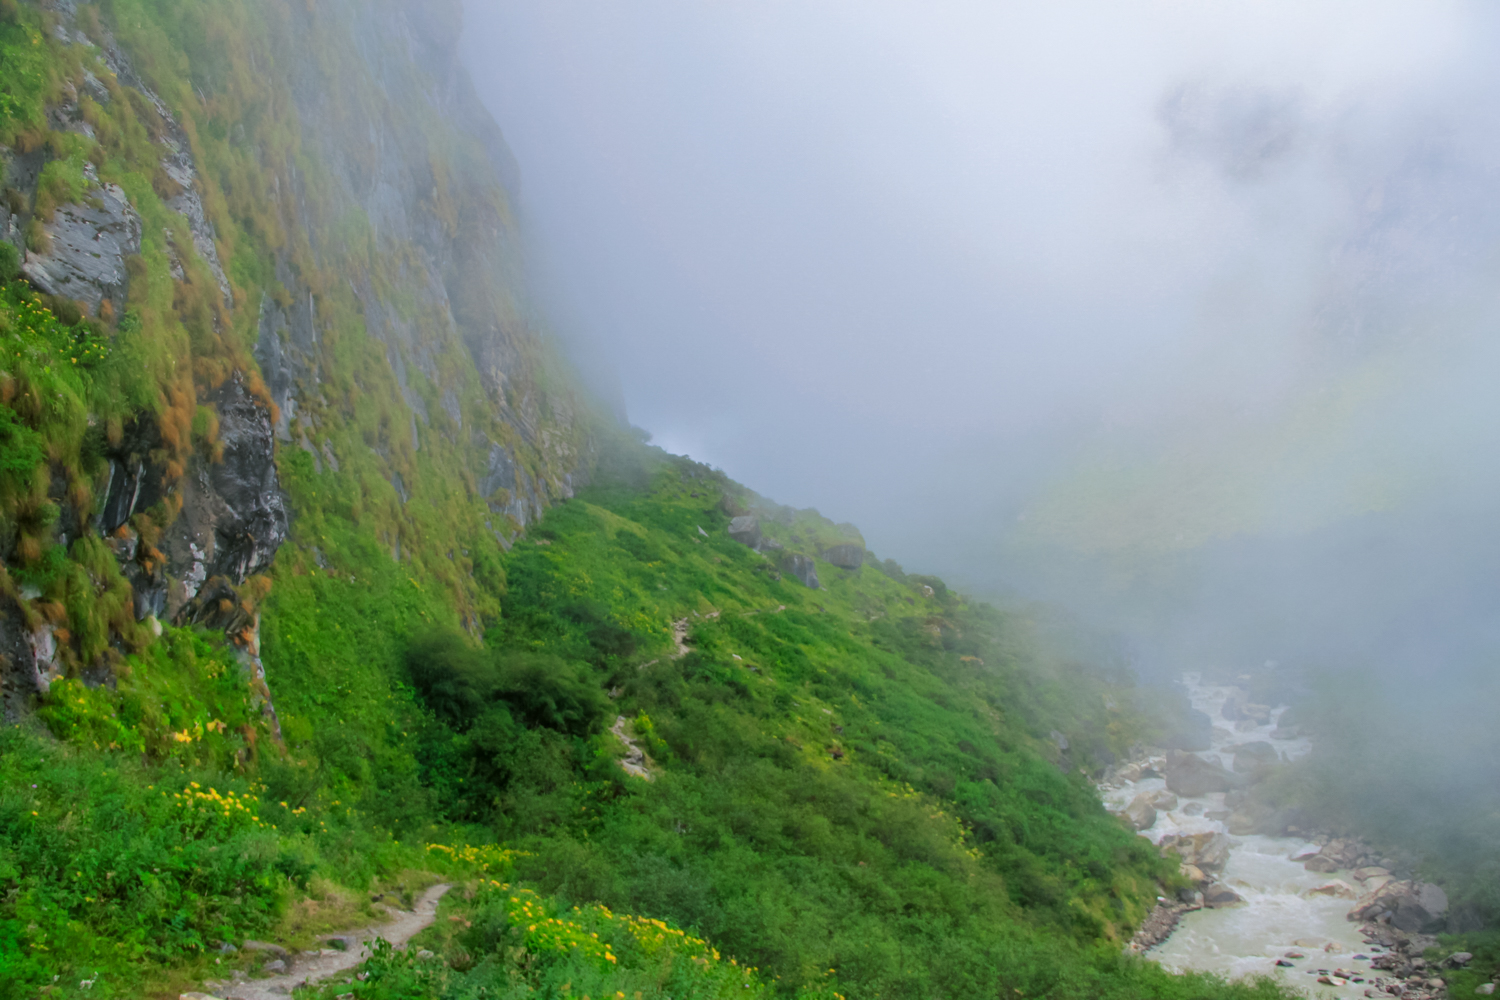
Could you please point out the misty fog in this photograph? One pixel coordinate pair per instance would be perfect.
(1180, 315)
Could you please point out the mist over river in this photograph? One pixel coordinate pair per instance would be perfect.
(1281, 912)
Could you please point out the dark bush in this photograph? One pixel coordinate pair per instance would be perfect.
(548, 691)
(455, 680)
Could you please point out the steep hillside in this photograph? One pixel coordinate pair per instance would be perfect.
(275, 649)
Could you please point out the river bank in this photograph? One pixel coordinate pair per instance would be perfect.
(1320, 913)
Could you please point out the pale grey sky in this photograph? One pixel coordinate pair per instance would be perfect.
(995, 280)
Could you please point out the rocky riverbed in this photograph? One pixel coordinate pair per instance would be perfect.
(1332, 916)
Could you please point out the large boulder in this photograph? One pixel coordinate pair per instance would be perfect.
(745, 529)
(1415, 907)
(1141, 814)
(1195, 733)
(1164, 800)
(1191, 776)
(850, 555)
(1220, 895)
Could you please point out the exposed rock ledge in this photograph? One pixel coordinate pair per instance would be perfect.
(1159, 925)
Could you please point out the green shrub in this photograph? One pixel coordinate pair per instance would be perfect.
(10, 262)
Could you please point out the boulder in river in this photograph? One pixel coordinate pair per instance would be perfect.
(1164, 800)
(1194, 874)
(1191, 776)
(1195, 733)
(1141, 814)
(1242, 823)
(1208, 851)
(1254, 758)
(1322, 864)
(1219, 894)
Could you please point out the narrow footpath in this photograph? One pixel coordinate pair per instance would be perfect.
(305, 968)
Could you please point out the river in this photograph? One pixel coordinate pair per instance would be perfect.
(1278, 915)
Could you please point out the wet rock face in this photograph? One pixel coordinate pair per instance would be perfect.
(26, 660)
(233, 517)
(89, 244)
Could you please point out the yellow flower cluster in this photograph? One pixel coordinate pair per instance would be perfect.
(487, 859)
(579, 931)
(545, 932)
(655, 935)
(202, 807)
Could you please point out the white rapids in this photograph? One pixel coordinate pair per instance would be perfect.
(1275, 917)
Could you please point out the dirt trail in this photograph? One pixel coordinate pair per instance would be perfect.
(635, 761)
(309, 967)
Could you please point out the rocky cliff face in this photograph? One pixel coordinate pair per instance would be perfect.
(301, 231)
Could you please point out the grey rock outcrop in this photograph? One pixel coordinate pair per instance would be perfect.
(850, 555)
(745, 529)
(802, 567)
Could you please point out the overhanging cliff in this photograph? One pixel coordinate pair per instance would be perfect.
(255, 234)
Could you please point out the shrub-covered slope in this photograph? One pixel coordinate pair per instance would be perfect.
(852, 790)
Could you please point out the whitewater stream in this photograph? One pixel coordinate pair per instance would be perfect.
(1277, 915)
